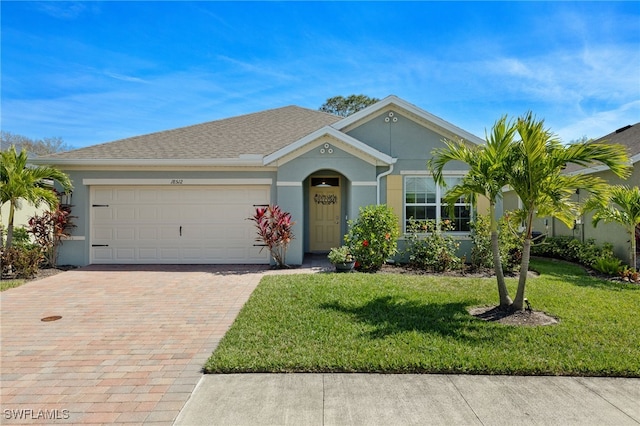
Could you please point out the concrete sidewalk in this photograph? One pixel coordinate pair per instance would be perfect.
(391, 399)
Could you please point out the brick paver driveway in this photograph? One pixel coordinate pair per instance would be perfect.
(129, 347)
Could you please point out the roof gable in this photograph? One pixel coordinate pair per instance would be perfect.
(425, 118)
(310, 141)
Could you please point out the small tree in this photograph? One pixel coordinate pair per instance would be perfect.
(20, 182)
(344, 107)
(373, 237)
(274, 231)
(622, 206)
(535, 173)
(486, 177)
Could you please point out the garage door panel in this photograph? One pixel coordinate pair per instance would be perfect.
(148, 213)
(124, 214)
(102, 196)
(103, 234)
(103, 214)
(102, 254)
(148, 195)
(124, 254)
(125, 195)
(176, 225)
(169, 196)
(123, 234)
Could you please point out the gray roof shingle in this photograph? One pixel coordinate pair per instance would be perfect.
(628, 136)
(259, 133)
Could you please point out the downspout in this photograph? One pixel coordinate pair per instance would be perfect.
(379, 179)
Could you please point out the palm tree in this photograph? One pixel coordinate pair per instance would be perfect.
(486, 177)
(19, 182)
(534, 172)
(622, 206)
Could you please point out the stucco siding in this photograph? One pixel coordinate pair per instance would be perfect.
(403, 139)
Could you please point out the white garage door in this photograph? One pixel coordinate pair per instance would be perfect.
(181, 224)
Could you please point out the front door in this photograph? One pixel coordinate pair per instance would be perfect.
(324, 217)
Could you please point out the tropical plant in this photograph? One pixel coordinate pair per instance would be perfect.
(486, 178)
(373, 236)
(620, 205)
(609, 266)
(275, 232)
(430, 247)
(21, 182)
(534, 172)
(50, 229)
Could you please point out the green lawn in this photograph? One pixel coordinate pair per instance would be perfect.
(7, 284)
(404, 323)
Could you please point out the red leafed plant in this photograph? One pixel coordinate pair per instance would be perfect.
(50, 229)
(274, 231)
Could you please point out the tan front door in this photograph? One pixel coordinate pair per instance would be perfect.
(324, 212)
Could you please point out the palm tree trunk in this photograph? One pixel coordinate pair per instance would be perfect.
(503, 292)
(632, 254)
(12, 210)
(518, 303)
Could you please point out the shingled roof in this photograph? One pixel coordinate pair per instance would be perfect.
(628, 136)
(256, 134)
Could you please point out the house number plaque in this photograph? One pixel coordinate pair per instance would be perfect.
(325, 199)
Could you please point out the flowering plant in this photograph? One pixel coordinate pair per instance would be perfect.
(274, 231)
(340, 254)
(373, 236)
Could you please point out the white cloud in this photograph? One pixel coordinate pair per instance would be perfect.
(601, 123)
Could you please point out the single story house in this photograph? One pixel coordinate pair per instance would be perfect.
(184, 195)
(628, 136)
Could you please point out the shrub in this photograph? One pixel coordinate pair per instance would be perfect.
(20, 262)
(49, 230)
(340, 254)
(372, 237)
(573, 250)
(21, 238)
(274, 231)
(430, 248)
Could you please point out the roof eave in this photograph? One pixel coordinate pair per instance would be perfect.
(250, 161)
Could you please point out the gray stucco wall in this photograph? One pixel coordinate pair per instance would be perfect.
(353, 172)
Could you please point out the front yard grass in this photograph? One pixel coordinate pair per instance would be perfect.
(7, 284)
(395, 323)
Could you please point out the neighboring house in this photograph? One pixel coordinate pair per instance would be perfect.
(629, 136)
(183, 195)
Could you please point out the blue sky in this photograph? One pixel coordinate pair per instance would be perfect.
(92, 72)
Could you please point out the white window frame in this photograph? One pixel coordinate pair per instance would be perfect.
(440, 191)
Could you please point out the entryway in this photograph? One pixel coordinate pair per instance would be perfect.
(325, 213)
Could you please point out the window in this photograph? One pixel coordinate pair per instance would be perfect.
(423, 200)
